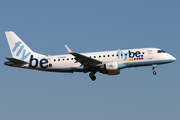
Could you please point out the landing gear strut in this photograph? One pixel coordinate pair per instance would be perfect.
(154, 67)
(92, 76)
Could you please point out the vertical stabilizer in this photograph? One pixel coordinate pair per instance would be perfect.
(18, 48)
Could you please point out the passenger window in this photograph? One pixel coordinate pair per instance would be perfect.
(67, 58)
(99, 56)
(143, 53)
(117, 55)
(103, 55)
(121, 54)
(71, 58)
(54, 59)
(108, 55)
(63, 59)
(112, 55)
(94, 56)
(58, 59)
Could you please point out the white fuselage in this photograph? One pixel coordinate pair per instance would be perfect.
(124, 58)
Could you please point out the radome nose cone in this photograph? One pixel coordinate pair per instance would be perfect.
(173, 59)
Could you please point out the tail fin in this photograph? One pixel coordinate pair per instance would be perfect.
(18, 48)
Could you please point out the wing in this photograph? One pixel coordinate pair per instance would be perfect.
(84, 60)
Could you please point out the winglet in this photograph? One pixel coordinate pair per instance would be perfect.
(68, 49)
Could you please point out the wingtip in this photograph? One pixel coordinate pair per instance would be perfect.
(9, 32)
(68, 49)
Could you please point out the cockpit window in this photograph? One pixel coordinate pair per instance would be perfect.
(161, 51)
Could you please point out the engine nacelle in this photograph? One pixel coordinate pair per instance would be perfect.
(110, 66)
(113, 72)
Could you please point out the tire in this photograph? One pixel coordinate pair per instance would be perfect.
(93, 78)
(154, 73)
(91, 75)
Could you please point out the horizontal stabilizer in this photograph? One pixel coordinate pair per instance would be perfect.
(16, 61)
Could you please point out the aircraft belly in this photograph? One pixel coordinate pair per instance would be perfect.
(65, 67)
(147, 63)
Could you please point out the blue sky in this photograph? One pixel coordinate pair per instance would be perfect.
(88, 26)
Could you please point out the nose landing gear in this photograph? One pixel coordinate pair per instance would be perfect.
(92, 76)
(154, 67)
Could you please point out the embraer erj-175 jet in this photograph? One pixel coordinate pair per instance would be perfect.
(107, 62)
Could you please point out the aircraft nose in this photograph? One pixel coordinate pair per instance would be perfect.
(172, 58)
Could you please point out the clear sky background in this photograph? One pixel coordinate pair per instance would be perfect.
(89, 26)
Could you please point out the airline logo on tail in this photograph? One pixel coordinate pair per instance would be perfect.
(42, 63)
(21, 49)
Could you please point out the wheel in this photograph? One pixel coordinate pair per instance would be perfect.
(92, 76)
(154, 72)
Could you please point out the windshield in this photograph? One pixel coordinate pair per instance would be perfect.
(161, 51)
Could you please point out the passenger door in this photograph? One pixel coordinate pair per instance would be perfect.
(150, 54)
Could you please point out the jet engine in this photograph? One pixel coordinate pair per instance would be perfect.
(110, 66)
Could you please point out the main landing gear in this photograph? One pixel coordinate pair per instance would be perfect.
(154, 67)
(92, 76)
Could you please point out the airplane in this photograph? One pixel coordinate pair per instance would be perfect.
(106, 62)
